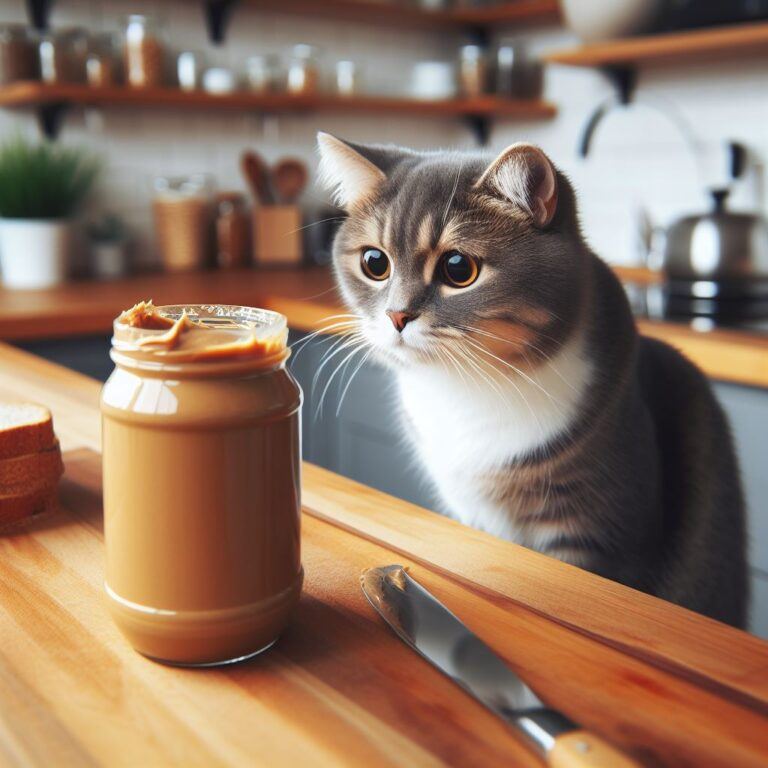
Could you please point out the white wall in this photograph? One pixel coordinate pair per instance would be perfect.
(638, 158)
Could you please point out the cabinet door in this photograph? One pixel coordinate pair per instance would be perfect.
(747, 410)
(352, 424)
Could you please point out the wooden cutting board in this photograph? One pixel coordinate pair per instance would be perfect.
(338, 689)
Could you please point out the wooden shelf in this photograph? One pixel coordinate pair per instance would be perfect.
(405, 15)
(34, 94)
(52, 101)
(737, 40)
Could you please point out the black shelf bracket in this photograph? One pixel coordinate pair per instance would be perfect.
(217, 14)
(624, 80)
(50, 117)
(38, 11)
(480, 125)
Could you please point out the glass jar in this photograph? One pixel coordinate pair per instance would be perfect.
(182, 209)
(347, 78)
(263, 74)
(303, 71)
(17, 54)
(232, 223)
(101, 64)
(63, 56)
(201, 461)
(144, 52)
(189, 70)
(473, 71)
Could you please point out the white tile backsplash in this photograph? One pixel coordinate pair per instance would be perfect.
(638, 159)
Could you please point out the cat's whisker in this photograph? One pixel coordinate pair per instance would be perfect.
(319, 408)
(482, 348)
(344, 391)
(339, 346)
(508, 379)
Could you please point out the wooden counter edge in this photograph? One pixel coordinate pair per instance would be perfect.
(307, 298)
(711, 654)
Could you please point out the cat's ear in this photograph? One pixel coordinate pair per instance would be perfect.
(524, 175)
(351, 177)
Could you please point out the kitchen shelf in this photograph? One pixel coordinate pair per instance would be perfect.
(736, 40)
(53, 100)
(403, 15)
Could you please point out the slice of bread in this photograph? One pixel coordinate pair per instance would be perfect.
(17, 507)
(24, 428)
(31, 470)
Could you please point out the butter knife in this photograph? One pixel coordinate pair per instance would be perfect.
(427, 626)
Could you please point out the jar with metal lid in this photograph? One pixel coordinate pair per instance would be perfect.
(18, 60)
(232, 225)
(303, 70)
(201, 461)
(144, 51)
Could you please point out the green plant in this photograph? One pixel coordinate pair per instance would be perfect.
(44, 181)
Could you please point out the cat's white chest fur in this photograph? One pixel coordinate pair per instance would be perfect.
(466, 427)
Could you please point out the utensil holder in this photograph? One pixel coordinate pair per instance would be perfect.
(277, 236)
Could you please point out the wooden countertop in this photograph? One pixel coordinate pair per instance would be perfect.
(306, 297)
(340, 689)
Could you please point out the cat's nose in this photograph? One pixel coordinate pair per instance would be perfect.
(400, 319)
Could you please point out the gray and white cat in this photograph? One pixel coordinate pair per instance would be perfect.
(538, 411)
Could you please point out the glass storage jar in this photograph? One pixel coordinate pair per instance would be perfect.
(183, 215)
(201, 461)
(63, 56)
(303, 71)
(18, 60)
(144, 51)
(232, 226)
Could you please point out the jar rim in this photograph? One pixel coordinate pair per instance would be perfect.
(232, 323)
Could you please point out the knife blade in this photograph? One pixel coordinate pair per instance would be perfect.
(427, 626)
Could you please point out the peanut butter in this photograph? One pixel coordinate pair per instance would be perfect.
(201, 448)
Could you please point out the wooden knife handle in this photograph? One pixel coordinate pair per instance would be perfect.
(581, 749)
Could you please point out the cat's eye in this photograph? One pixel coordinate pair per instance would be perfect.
(375, 264)
(458, 269)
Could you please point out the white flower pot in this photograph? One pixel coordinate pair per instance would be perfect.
(34, 253)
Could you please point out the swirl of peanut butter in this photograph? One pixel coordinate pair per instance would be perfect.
(187, 339)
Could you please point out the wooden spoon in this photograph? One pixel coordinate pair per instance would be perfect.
(289, 178)
(256, 172)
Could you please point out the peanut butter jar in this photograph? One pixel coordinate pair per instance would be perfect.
(201, 456)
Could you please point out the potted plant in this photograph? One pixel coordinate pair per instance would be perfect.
(108, 239)
(42, 187)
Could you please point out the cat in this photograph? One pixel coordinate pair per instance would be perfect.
(534, 405)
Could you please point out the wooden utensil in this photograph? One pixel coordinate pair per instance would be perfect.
(256, 172)
(289, 178)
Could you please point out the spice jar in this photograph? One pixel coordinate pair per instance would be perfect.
(347, 78)
(18, 60)
(263, 74)
(473, 73)
(101, 64)
(201, 461)
(303, 71)
(63, 55)
(182, 213)
(144, 52)
(232, 224)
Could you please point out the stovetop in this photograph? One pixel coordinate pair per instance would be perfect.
(654, 302)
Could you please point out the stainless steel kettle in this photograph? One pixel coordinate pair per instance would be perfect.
(723, 247)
